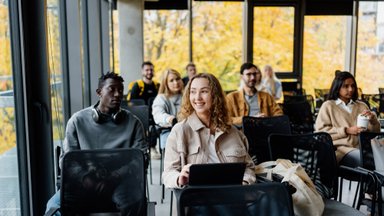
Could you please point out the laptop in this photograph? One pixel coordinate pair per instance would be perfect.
(216, 174)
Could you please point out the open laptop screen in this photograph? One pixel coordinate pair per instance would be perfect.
(216, 174)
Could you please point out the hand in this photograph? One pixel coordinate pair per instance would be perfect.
(354, 130)
(184, 175)
(371, 115)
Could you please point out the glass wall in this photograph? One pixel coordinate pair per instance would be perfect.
(217, 40)
(370, 47)
(324, 50)
(166, 39)
(9, 179)
(273, 40)
(56, 74)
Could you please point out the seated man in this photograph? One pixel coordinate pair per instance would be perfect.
(103, 126)
(248, 101)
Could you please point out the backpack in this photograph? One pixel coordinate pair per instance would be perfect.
(140, 84)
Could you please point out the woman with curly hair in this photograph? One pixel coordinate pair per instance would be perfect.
(204, 134)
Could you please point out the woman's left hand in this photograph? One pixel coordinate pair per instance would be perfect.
(371, 115)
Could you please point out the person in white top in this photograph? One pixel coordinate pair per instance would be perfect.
(167, 103)
(272, 83)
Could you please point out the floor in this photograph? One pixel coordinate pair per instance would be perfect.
(163, 208)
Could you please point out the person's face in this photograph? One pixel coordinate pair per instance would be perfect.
(191, 71)
(174, 83)
(268, 72)
(201, 96)
(148, 71)
(347, 89)
(111, 95)
(251, 77)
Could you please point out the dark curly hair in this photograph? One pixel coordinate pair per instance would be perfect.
(109, 75)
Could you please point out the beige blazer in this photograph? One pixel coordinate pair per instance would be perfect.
(188, 144)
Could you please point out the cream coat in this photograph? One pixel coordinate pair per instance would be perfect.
(188, 144)
(334, 120)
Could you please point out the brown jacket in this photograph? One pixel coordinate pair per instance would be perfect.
(334, 120)
(238, 106)
(188, 144)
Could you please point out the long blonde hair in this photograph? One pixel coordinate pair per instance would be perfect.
(164, 89)
(219, 111)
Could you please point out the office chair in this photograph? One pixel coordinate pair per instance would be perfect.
(257, 199)
(316, 155)
(103, 180)
(257, 131)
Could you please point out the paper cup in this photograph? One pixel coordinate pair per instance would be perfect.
(362, 121)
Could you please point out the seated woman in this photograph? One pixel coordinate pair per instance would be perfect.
(338, 116)
(272, 83)
(167, 103)
(204, 134)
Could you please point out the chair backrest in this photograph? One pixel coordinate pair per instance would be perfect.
(314, 152)
(257, 199)
(257, 131)
(301, 98)
(141, 112)
(300, 116)
(366, 153)
(321, 95)
(104, 180)
(291, 88)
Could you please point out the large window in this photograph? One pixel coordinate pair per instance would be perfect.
(55, 71)
(9, 179)
(273, 37)
(370, 41)
(166, 39)
(324, 50)
(217, 40)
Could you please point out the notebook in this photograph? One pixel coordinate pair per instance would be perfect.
(216, 174)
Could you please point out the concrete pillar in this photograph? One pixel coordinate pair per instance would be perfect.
(131, 38)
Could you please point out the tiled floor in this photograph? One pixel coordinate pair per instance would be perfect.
(163, 209)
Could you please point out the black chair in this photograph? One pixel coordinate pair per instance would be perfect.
(258, 199)
(368, 162)
(104, 180)
(316, 155)
(321, 95)
(300, 116)
(142, 113)
(257, 131)
(301, 98)
(291, 88)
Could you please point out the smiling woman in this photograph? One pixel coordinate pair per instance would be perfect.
(204, 134)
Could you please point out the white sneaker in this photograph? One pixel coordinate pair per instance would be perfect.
(155, 155)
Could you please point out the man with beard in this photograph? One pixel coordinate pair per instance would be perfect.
(146, 87)
(248, 101)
